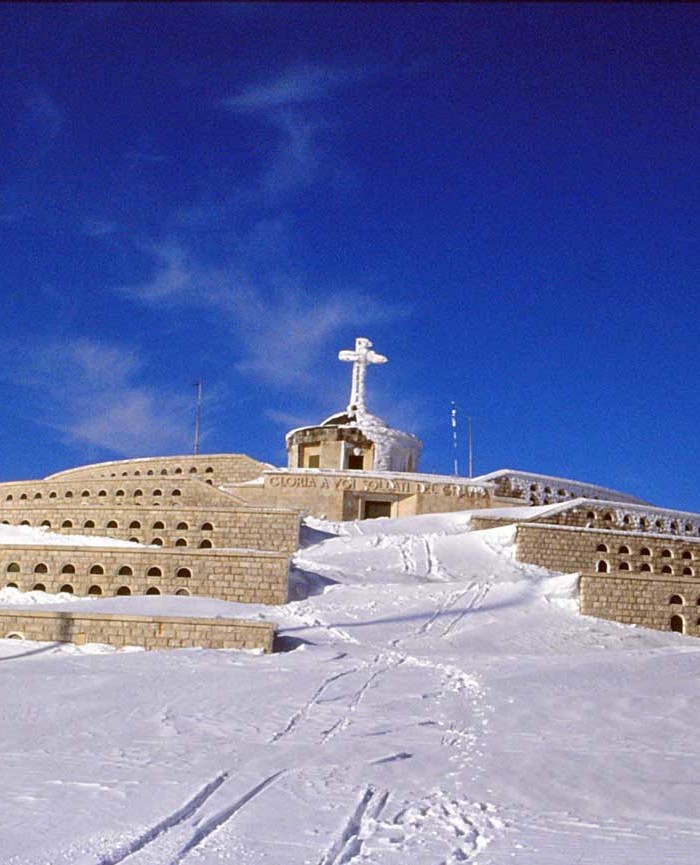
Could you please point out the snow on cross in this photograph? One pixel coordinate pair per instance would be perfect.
(360, 359)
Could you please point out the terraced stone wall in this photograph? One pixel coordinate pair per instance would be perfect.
(151, 492)
(218, 468)
(652, 602)
(568, 549)
(150, 632)
(249, 528)
(236, 575)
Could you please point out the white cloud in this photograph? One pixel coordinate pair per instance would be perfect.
(89, 392)
(294, 87)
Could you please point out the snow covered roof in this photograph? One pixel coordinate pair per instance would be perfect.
(582, 488)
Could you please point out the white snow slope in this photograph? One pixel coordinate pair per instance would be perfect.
(438, 703)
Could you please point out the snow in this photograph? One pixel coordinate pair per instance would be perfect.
(14, 535)
(436, 703)
(523, 480)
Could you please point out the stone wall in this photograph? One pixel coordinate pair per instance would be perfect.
(158, 492)
(151, 632)
(249, 528)
(247, 576)
(649, 602)
(571, 549)
(218, 468)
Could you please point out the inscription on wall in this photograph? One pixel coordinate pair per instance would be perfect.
(373, 485)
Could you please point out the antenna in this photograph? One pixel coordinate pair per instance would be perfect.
(453, 419)
(198, 416)
(471, 450)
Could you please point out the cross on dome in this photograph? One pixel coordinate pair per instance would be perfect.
(360, 358)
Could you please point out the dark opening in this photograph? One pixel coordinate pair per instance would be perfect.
(377, 509)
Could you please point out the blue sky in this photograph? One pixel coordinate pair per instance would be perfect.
(504, 198)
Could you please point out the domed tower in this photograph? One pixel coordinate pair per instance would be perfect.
(354, 439)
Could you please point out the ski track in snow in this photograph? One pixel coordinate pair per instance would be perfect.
(165, 845)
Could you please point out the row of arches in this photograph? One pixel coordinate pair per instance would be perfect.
(98, 570)
(158, 525)
(603, 567)
(97, 591)
(192, 470)
(624, 550)
(86, 494)
(644, 523)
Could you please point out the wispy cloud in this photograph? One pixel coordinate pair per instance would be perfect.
(89, 391)
(293, 87)
(42, 118)
(279, 327)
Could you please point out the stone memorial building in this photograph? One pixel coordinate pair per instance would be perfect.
(224, 526)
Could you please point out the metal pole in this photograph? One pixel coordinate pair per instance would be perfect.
(198, 417)
(453, 416)
(471, 451)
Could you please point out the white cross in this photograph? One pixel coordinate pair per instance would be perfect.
(360, 359)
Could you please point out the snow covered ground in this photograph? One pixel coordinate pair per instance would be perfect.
(436, 703)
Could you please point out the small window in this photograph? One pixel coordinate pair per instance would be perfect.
(181, 542)
(23, 497)
(154, 572)
(211, 483)
(134, 540)
(95, 590)
(135, 525)
(11, 586)
(183, 527)
(182, 592)
(601, 548)
(13, 568)
(687, 572)
(602, 567)
(112, 524)
(37, 495)
(686, 554)
(38, 587)
(178, 471)
(120, 493)
(149, 472)
(645, 568)
(9, 498)
(137, 473)
(674, 526)
(689, 527)
(645, 551)
(46, 524)
(676, 599)
(624, 566)
(68, 569)
(659, 524)
(607, 517)
(25, 523)
(125, 474)
(667, 569)
(205, 545)
(85, 494)
(184, 574)
(138, 493)
(207, 527)
(666, 554)
(158, 525)
(209, 470)
(67, 524)
(157, 492)
(97, 569)
(41, 569)
(68, 494)
(102, 493)
(626, 520)
(177, 492)
(89, 524)
(193, 470)
(52, 495)
(164, 471)
(624, 551)
(153, 590)
(157, 542)
(125, 571)
(67, 589)
(123, 590)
